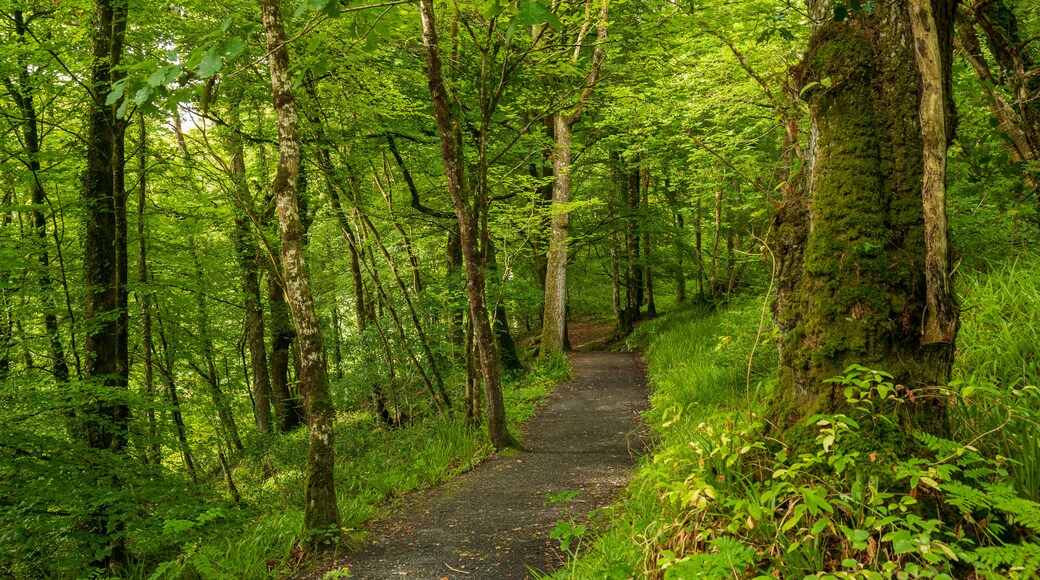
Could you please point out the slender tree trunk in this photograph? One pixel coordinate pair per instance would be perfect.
(145, 296)
(503, 336)
(699, 250)
(169, 375)
(24, 99)
(455, 281)
(468, 236)
(615, 279)
(713, 280)
(435, 398)
(290, 415)
(680, 274)
(424, 342)
(248, 256)
(321, 513)
(1013, 92)
(106, 363)
(337, 343)
(209, 371)
(648, 278)
(555, 310)
(634, 274)
(940, 316)
(6, 316)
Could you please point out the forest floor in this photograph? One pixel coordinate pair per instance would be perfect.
(496, 521)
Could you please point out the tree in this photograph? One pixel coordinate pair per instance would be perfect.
(475, 262)
(864, 271)
(1014, 89)
(106, 361)
(321, 514)
(554, 323)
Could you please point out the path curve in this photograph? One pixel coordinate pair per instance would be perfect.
(494, 522)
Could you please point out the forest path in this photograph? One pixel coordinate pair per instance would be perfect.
(495, 521)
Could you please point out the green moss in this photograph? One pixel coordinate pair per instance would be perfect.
(858, 297)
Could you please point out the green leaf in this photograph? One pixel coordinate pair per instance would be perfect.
(535, 12)
(493, 9)
(143, 94)
(210, 64)
(216, 56)
(840, 13)
(121, 111)
(118, 88)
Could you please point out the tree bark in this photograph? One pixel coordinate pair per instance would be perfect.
(169, 375)
(648, 277)
(144, 294)
(208, 371)
(468, 236)
(940, 316)
(554, 318)
(248, 256)
(32, 143)
(857, 293)
(106, 364)
(1018, 74)
(321, 513)
(554, 322)
(287, 405)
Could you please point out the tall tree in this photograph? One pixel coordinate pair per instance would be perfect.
(554, 322)
(107, 363)
(475, 265)
(321, 513)
(871, 286)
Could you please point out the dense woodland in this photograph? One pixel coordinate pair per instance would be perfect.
(265, 265)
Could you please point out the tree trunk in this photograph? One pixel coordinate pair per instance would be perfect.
(209, 371)
(554, 319)
(321, 514)
(648, 278)
(503, 335)
(290, 415)
(698, 250)
(634, 271)
(1018, 74)
(145, 297)
(106, 364)
(23, 96)
(680, 269)
(169, 374)
(858, 293)
(248, 255)
(713, 280)
(468, 236)
(424, 342)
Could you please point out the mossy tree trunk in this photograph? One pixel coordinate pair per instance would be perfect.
(321, 513)
(852, 239)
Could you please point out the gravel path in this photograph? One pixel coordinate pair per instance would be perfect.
(495, 521)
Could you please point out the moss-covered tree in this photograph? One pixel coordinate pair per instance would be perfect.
(855, 240)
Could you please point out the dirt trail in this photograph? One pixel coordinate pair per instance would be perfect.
(495, 521)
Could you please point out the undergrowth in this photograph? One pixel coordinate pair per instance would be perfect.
(262, 537)
(716, 501)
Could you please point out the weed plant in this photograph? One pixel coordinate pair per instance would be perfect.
(375, 465)
(715, 501)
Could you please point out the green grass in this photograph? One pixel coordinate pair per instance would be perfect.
(998, 353)
(713, 501)
(698, 365)
(375, 465)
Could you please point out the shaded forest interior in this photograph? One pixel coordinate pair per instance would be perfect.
(266, 266)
